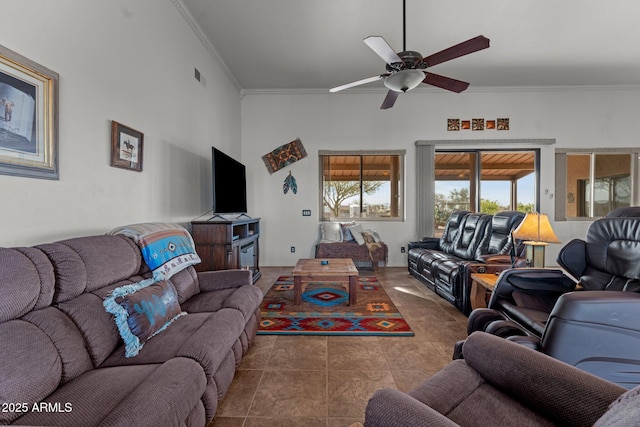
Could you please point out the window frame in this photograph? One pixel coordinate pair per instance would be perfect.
(425, 161)
(401, 191)
(476, 170)
(561, 177)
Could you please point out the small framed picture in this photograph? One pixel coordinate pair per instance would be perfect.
(503, 124)
(466, 124)
(28, 117)
(126, 147)
(490, 124)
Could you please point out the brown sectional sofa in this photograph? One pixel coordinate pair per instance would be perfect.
(61, 351)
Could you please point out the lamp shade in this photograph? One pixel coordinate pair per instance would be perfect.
(535, 228)
(404, 80)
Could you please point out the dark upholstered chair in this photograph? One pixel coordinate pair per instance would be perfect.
(596, 327)
(471, 243)
(500, 383)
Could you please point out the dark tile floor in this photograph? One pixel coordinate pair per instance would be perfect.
(326, 381)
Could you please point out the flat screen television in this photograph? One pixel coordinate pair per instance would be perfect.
(229, 184)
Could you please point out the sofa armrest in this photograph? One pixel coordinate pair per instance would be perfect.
(503, 259)
(532, 280)
(223, 279)
(611, 308)
(392, 408)
(159, 398)
(540, 381)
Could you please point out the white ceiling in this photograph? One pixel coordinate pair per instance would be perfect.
(317, 44)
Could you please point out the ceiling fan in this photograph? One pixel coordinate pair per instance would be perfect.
(407, 69)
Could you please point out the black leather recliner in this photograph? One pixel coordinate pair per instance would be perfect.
(471, 242)
(593, 323)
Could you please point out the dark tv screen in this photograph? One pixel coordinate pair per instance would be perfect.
(229, 184)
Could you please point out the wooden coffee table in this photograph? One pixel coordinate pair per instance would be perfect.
(337, 269)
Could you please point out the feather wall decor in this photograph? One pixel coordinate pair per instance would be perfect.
(290, 184)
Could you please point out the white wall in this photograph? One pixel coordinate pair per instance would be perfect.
(587, 117)
(132, 62)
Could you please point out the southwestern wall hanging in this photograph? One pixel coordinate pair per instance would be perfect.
(284, 155)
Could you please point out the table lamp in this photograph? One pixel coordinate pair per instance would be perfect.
(535, 231)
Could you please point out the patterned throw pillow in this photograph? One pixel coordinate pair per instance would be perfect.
(142, 310)
(346, 233)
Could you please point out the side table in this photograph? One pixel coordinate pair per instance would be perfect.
(481, 286)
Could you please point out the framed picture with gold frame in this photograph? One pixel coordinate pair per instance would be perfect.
(28, 117)
(126, 147)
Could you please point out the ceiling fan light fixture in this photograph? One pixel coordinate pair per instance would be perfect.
(404, 80)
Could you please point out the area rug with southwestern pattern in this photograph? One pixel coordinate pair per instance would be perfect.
(325, 310)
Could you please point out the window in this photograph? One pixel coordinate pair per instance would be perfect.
(358, 185)
(486, 181)
(610, 172)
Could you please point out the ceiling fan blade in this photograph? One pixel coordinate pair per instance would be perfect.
(380, 46)
(447, 83)
(473, 45)
(357, 83)
(389, 100)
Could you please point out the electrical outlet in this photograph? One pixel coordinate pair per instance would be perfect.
(402, 250)
(306, 212)
(293, 249)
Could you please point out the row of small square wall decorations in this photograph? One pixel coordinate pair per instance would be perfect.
(477, 124)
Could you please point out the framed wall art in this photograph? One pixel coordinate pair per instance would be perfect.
(28, 117)
(126, 147)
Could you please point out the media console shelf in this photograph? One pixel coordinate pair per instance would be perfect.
(226, 244)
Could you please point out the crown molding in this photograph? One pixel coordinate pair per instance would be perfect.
(186, 14)
(472, 89)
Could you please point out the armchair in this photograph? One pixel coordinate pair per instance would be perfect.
(590, 328)
(502, 383)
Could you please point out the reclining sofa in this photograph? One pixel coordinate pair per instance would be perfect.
(591, 322)
(470, 243)
(62, 360)
(501, 383)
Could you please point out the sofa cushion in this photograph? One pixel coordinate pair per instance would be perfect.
(245, 299)
(451, 229)
(473, 237)
(142, 310)
(330, 232)
(126, 396)
(27, 281)
(502, 224)
(85, 264)
(66, 338)
(346, 233)
(356, 231)
(30, 366)
(186, 283)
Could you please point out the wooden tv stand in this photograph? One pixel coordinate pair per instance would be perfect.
(226, 244)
